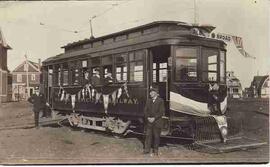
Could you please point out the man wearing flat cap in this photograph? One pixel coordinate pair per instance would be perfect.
(153, 112)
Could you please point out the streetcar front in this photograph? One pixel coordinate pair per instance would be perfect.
(198, 86)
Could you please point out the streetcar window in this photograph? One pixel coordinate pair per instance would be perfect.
(162, 72)
(136, 66)
(106, 60)
(74, 72)
(65, 77)
(84, 64)
(154, 72)
(121, 67)
(186, 64)
(57, 76)
(136, 71)
(107, 69)
(161, 69)
(65, 74)
(209, 65)
(84, 72)
(222, 66)
(50, 77)
(95, 61)
(107, 65)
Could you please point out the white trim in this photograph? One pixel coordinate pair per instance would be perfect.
(2, 95)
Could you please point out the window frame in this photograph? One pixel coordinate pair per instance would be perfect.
(197, 48)
(136, 61)
(122, 72)
(207, 65)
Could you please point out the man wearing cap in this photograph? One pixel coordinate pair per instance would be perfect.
(153, 112)
(39, 103)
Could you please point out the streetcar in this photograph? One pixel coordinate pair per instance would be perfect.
(186, 65)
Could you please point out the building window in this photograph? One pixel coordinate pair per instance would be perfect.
(19, 77)
(33, 77)
(136, 66)
(235, 90)
(186, 64)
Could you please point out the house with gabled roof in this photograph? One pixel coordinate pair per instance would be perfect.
(260, 85)
(234, 87)
(4, 72)
(25, 80)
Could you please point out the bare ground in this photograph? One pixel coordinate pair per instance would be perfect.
(62, 145)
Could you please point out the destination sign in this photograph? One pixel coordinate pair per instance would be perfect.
(223, 37)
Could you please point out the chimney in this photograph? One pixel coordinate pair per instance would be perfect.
(39, 64)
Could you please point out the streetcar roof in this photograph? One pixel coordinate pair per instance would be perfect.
(208, 28)
(185, 31)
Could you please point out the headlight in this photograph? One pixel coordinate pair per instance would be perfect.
(224, 131)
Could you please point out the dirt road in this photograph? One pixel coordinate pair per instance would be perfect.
(62, 145)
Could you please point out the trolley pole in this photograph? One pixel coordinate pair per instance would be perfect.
(195, 12)
(91, 28)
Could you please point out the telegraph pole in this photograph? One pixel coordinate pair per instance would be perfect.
(27, 79)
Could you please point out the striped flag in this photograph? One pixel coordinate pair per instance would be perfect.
(239, 45)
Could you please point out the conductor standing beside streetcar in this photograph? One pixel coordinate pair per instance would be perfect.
(153, 112)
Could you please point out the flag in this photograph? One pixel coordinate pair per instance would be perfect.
(239, 45)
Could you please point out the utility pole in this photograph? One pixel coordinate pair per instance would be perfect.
(27, 79)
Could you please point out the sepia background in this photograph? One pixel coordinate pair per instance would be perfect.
(39, 29)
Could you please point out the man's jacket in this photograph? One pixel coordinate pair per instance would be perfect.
(154, 109)
(38, 102)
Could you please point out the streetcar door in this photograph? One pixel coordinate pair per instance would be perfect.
(160, 75)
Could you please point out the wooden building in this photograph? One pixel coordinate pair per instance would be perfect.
(19, 80)
(4, 72)
(234, 87)
(260, 87)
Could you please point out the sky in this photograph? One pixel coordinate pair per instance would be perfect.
(39, 28)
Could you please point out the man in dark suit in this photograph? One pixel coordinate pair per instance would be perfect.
(39, 103)
(153, 112)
